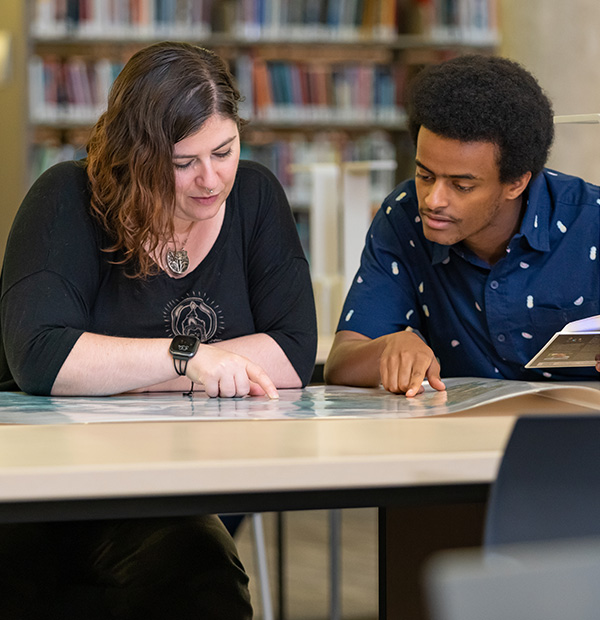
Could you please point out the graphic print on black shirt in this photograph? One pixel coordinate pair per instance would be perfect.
(195, 315)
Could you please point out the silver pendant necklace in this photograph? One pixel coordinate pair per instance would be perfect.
(178, 260)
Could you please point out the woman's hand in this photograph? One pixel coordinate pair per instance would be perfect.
(223, 373)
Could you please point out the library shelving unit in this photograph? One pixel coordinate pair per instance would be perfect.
(323, 80)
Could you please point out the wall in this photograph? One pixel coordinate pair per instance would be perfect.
(13, 176)
(559, 42)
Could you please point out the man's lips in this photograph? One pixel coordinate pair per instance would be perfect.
(434, 220)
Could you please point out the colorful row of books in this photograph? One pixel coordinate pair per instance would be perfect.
(74, 90)
(337, 93)
(317, 19)
(467, 21)
(70, 90)
(113, 19)
(287, 20)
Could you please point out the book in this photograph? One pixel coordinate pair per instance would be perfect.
(577, 344)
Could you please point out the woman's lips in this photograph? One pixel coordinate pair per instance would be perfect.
(206, 201)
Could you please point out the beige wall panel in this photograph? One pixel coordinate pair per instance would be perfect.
(559, 42)
(13, 132)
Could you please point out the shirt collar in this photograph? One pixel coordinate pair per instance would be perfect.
(534, 227)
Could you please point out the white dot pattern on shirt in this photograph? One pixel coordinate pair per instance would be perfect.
(400, 196)
(593, 252)
(359, 280)
(578, 301)
(535, 222)
(426, 310)
(421, 287)
(417, 219)
(388, 210)
(547, 374)
(530, 301)
(349, 315)
(526, 335)
(455, 343)
(395, 269)
(561, 227)
(524, 265)
(478, 306)
(598, 201)
(552, 174)
(409, 314)
(412, 243)
(446, 260)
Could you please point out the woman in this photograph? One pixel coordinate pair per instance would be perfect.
(158, 233)
(158, 261)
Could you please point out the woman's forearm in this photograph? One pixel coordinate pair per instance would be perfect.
(101, 365)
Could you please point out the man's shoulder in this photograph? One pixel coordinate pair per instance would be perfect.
(400, 207)
(565, 189)
(403, 195)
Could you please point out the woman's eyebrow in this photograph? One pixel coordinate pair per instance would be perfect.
(225, 143)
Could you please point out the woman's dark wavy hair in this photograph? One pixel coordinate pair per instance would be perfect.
(165, 93)
(486, 98)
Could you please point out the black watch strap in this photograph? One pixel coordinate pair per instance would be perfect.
(180, 365)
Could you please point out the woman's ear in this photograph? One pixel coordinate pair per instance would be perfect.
(517, 187)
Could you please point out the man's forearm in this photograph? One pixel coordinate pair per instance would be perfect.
(354, 361)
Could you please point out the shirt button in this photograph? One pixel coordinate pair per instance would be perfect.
(494, 284)
(501, 337)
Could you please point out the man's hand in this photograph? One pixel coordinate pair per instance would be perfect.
(405, 362)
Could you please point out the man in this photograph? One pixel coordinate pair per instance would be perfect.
(469, 269)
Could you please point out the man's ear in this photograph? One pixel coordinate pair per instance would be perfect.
(515, 188)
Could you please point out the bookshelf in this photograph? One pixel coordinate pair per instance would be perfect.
(323, 80)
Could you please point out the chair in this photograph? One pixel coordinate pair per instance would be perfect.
(534, 581)
(541, 553)
(548, 484)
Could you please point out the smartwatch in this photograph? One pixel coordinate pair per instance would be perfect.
(183, 348)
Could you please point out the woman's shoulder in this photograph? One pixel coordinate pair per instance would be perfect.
(59, 196)
(256, 184)
(252, 173)
(65, 172)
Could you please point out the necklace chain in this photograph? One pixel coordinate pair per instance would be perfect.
(178, 260)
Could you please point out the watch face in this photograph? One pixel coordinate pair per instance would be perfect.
(184, 346)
